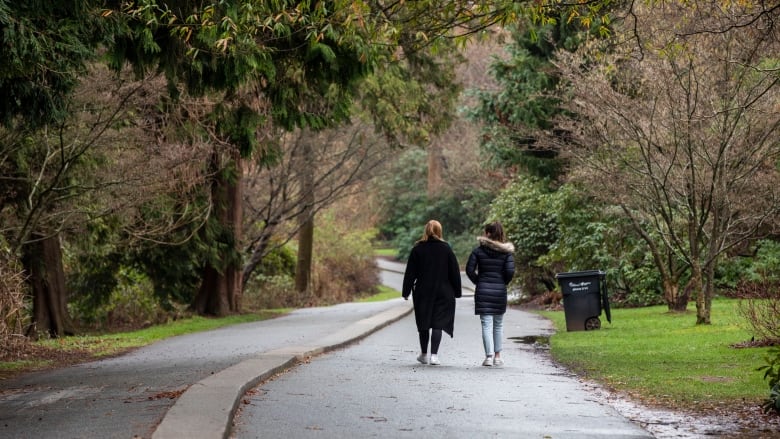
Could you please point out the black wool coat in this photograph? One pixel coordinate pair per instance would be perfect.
(491, 267)
(432, 278)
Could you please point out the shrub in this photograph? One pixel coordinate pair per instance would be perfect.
(761, 264)
(772, 375)
(637, 286)
(270, 292)
(272, 284)
(760, 308)
(344, 267)
(559, 229)
(97, 263)
(14, 314)
(131, 304)
(280, 261)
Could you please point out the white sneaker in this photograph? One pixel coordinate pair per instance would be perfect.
(422, 358)
(435, 359)
(498, 362)
(488, 361)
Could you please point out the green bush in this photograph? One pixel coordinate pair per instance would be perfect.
(773, 403)
(641, 287)
(96, 263)
(772, 376)
(273, 291)
(761, 265)
(280, 261)
(558, 230)
(131, 304)
(272, 284)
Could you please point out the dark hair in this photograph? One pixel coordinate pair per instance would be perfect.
(495, 231)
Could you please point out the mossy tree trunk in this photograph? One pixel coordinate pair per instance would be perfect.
(43, 265)
(222, 286)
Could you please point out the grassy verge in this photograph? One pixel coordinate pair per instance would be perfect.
(385, 293)
(666, 358)
(76, 349)
(69, 350)
(386, 252)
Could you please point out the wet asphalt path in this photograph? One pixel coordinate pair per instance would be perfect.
(128, 396)
(372, 388)
(375, 388)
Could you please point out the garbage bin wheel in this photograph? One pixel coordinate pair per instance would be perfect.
(592, 323)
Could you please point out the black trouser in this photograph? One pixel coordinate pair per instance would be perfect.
(435, 341)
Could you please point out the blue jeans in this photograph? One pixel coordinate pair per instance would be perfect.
(492, 332)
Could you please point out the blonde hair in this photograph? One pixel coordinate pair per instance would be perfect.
(432, 230)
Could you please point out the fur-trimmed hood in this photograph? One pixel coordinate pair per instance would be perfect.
(502, 247)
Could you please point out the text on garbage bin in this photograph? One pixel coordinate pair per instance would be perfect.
(582, 286)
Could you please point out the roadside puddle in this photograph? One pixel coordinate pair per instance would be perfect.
(535, 341)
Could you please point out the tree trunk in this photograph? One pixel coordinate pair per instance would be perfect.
(220, 290)
(306, 233)
(664, 261)
(212, 295)
(235, 218)
(675, 301)
(43, 265)
(435, 165)
(702, 311)
(305, 252)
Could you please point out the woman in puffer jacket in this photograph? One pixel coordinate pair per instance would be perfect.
(491, 267)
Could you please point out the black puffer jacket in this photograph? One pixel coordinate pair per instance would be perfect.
(491, 267)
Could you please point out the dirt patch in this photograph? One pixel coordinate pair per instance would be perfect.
(711, 379)
(32, 358)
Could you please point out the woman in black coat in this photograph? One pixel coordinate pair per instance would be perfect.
(491, 267)
(432, 277)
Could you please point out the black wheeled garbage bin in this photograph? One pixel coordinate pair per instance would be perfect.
(584, 296)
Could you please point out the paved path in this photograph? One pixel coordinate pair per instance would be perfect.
(375, 388)
(126, 397)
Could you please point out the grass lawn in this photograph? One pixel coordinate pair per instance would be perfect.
(666, 358)
(386, 252)
(385, 293)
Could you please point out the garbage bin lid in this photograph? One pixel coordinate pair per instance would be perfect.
(586, 273)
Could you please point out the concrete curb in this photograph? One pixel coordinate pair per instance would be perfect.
(206, 409)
